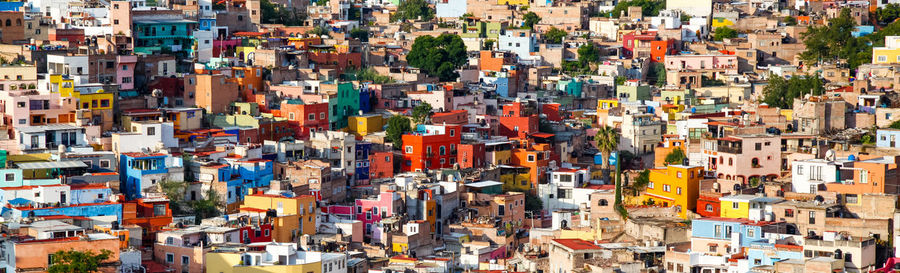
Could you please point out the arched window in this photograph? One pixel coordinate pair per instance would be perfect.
(709, 207)
(754, 162)
(730, 161)
(8, 22)
(18, 22)
(603, 203)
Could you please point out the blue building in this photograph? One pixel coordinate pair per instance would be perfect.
(716, 228)
(860, 31)
(89, 194)
(887, 138)
(366, 99)
(571, 86)
(164, 35)
(254, 173)
(92, 210)
(761, 253)
(363, 149)
(138, 171)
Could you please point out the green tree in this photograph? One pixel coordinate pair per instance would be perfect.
(724, 32)
(790, 21)
(319, 30)
(648, 7)
(367, 74)
(781, 92)
(640, 182)
(276, 14)
(421, 112)
(206, 207)
(895, 125)
(396, 127)
(530, 19)
(657, 74)
(685, 17)
(174, 191)
(888, 13)
(438, 56)
(620, 80)
(607, 142)
(488, 44)
(73, 261)
(831, 41)
(361, 34)
(555, 35)
(620, 208)
(588, 53)
(533, 203)
(675, 157)
(413, 10)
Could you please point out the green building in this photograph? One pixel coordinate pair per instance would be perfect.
(633, 91)
(343, 105)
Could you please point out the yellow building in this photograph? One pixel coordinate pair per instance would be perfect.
(605, 105)
(889, 53)
(513, 2)
(365, 125)
(676, 186)
(735, 206)
(515, 178)
(94, 102)
(296, 215)
(721, 22)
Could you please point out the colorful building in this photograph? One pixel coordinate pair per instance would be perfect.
(296, 215)
(366, 125)
(431, 147)
(675, 186)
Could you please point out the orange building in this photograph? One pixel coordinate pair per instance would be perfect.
(151, 214)
(659, 50)
(434, 147)
(250, 85)
(874, 175)
(536, 159)
(669, 144)
(675, 186)
(34, 255)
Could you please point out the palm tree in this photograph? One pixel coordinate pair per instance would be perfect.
(607, 141)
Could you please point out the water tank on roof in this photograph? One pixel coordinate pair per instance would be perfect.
(851, 158)
(693, 110)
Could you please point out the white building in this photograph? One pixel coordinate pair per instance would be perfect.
(145, 135)
(522, 42)
(667, 19)
(694, 8)
(49, 137)
(640, 129)
(450, 8)
(565, 190)
(807, 176)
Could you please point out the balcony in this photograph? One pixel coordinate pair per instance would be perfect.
(729, 150)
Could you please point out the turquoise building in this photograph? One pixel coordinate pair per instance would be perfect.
(164, 36)
(343, 105)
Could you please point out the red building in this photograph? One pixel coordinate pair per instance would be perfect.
(260, 232)
(304, 117)
(381, 165)
(434, 147)
(635, 40)
(552, 111)
(451, 117)
(659, 50)
(708, 204)
(471, 155)
(325, 56)
(515, 123)
(151, 214)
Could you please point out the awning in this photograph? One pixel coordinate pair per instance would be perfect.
(51, 165)
(543, 135)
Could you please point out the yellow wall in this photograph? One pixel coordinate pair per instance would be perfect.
(291, 209)
(431, 214)
(510, 185)
(889, 53)
(587, 235)
(512, 2)
(689, 182)
(727, 209)
(721, 22)
(362, 126)
(400, 247)
(502, 157)
(607, 104)
(226, 263)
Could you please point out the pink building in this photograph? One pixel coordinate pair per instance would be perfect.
(125, 71)
(736, 160)
(371, 211)
(727, 63)
(22, 105)
(439, 99)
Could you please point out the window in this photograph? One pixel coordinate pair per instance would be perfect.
(678, 190)
(159, 210)
(531, 158)
(812, 217)
(709, 207)
(10, 177)
(409, 149)
(882, 58)
(170, 258)
(151, 131)
(667, 188)
(186, 260)
(851, 199)
(311, 116)
(788, 213)
(735, 205)
(105, 103)
(603, 203)
(650, 185)
(678, 174)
